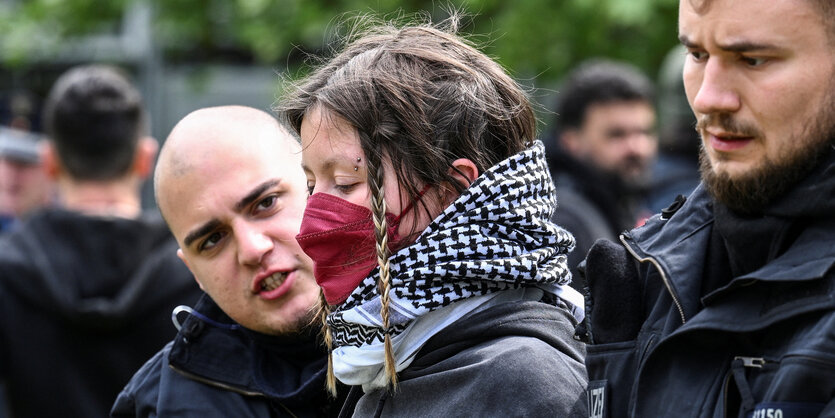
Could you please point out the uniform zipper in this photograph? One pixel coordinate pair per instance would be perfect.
(727, 388)
(664, 277)
(753, 362)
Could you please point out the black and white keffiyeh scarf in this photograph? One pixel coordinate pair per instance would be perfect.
(497, 236)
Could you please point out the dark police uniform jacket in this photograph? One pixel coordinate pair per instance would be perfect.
(762, 345)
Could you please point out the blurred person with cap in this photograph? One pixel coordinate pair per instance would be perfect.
(87, 286)
(23, 183)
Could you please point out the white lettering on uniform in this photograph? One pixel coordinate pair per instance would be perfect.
(768, 413)
(597, 398)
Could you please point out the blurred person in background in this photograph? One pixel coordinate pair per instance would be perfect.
(602, 151)
(247, 349)
(87, 287)
(23, 182)
(676, 169)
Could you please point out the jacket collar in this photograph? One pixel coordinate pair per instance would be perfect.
(678, 247)
(815, 247)
(219, 352)
(679, 243)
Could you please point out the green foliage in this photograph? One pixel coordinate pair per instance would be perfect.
(543, 38)
(538, 40)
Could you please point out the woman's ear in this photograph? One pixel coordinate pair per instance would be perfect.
(464, 172)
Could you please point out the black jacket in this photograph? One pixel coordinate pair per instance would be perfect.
(84, 301)
(760, 344)
(591, 205)
(514, 359)
(215, 368)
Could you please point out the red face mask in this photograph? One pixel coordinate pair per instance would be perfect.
(339, 236)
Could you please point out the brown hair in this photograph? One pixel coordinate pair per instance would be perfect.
(419, 97)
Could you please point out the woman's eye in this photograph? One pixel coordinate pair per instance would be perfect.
(345, 188)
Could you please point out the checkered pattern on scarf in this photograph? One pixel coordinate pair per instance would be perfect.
(497, 235)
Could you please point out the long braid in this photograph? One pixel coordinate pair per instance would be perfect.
(378, 209)
(324, 311)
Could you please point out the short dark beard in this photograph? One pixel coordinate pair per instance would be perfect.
(752, 193)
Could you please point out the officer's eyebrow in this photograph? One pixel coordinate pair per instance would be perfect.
(735, 46)
(201, 231)
(255, 193)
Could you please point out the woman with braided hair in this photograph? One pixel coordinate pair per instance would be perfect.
(443, 279)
